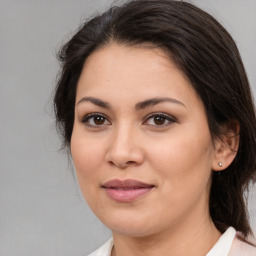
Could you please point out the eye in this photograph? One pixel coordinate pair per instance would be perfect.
(95, 120)
(159, 119)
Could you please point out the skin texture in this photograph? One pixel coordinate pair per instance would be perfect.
(176, 155)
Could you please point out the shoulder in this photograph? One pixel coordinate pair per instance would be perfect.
(104, 250)
(241, 248)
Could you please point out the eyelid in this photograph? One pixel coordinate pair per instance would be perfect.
(168, 117)
(92, 115)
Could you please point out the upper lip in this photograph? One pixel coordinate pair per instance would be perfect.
(128, 183)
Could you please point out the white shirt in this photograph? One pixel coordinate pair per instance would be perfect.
(227, 245)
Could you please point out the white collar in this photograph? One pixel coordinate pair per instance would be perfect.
(105, 249)
(223, 245)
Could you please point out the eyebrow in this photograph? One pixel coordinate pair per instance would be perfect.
(95, 101)
(155, 101)
(139, 106)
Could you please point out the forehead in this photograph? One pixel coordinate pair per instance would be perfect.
(112, 58)
(137, 71)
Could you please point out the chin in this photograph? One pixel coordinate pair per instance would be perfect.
(133, 226)
(134, 231)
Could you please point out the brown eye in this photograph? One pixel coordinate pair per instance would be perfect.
(159, 120)
(99, 120)
(95, 120)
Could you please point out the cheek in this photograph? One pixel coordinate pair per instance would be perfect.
(184, 159)
(87, 158)
(184, 169)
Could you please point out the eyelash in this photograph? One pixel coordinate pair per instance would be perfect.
(168, 118)
(89, 117)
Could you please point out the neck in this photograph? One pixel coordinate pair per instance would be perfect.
(184, 239)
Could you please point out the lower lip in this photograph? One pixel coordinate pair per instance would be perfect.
(127, 195)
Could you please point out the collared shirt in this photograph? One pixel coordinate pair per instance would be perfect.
(228, 244)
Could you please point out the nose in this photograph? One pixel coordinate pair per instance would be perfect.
(124, 148)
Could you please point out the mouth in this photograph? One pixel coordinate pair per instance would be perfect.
(126, 190)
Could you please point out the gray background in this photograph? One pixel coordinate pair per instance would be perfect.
(41, 209)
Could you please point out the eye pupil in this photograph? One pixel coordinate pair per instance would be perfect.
(99, 120)
(159, 120)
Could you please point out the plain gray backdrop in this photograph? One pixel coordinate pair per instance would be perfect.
(42, 212)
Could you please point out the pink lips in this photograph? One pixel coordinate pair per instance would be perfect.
(126, 190)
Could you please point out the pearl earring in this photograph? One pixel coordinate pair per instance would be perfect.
(220, 164)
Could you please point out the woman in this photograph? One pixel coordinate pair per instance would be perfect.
(154, 104)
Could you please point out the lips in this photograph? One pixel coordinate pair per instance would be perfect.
(126, 190)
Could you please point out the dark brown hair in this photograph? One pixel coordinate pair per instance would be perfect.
(206, 54)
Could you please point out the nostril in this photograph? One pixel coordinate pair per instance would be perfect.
(124, 158)
(122, 165)
(130, 162)
(111, 163)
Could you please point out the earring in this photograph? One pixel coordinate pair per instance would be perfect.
(220, 164)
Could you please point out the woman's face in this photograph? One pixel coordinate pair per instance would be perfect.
(141, 144)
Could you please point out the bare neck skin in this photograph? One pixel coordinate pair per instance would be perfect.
(187, 238)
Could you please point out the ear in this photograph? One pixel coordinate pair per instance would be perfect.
(226, 146)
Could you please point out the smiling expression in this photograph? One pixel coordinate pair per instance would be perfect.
(141, 144)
